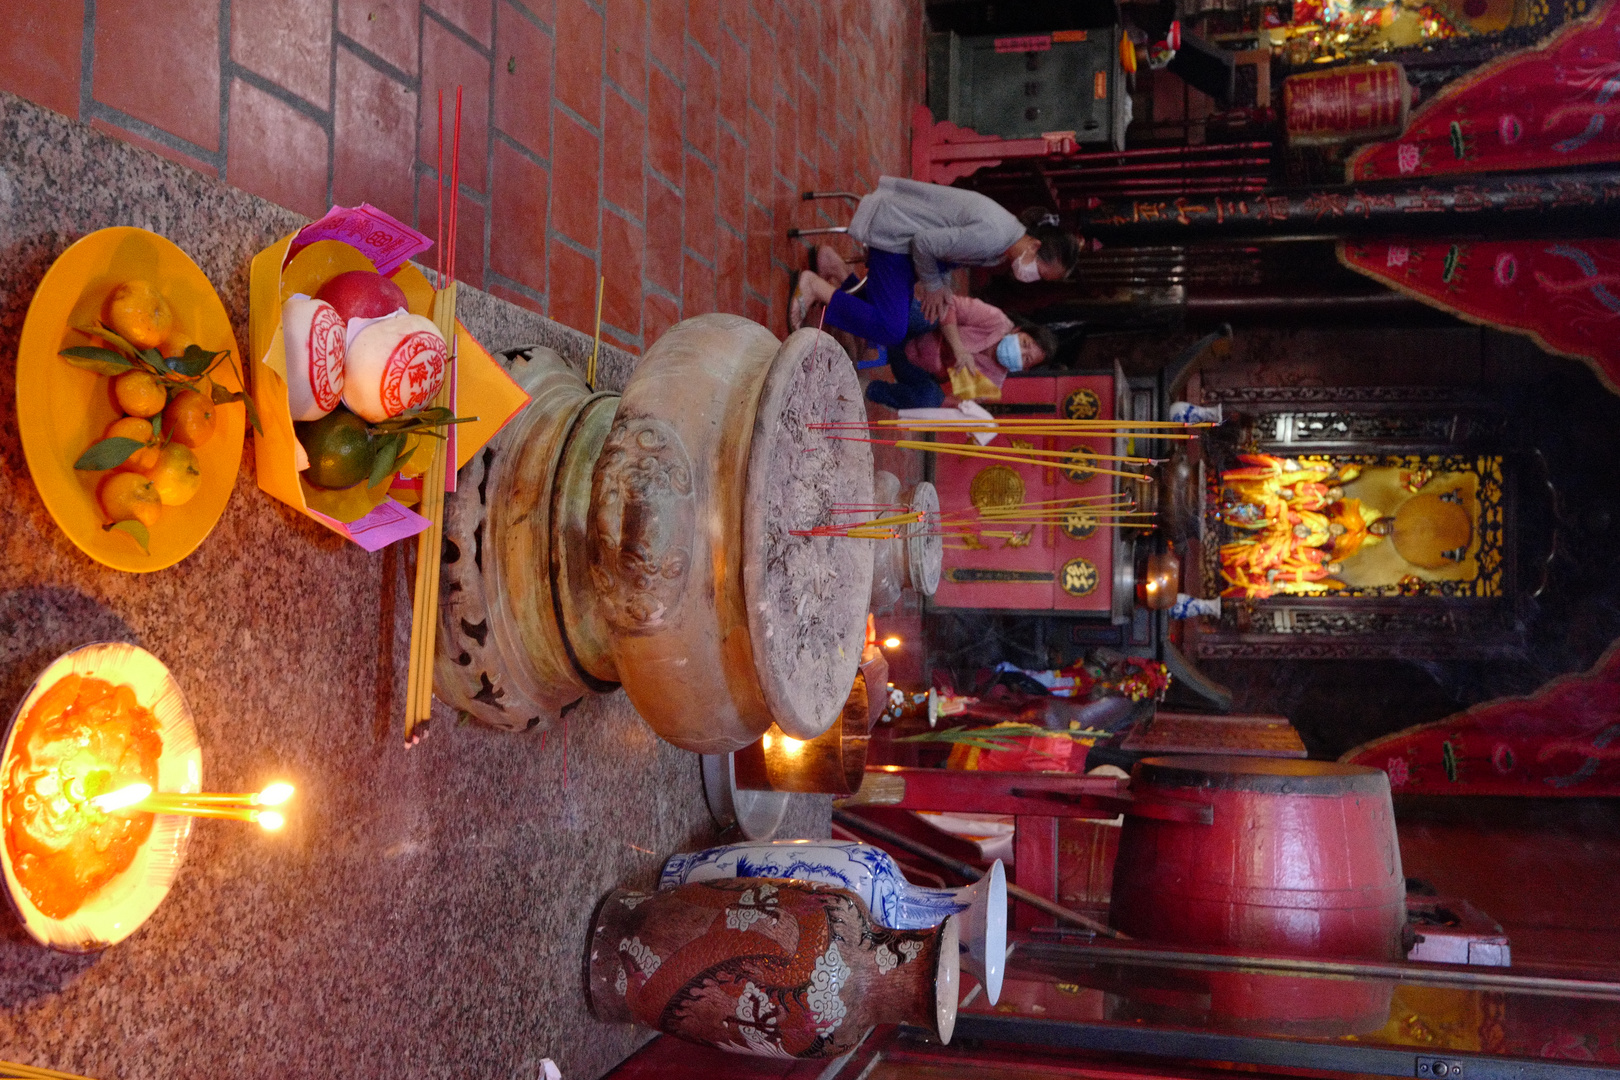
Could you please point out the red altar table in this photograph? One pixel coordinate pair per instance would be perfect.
(1043, 567)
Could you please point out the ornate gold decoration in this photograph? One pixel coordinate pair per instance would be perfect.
(1080, 466)
(1079, 577)
(1022, 444)
(1081, 405)
(1020, 539)
(996, 487)
(1078, 525)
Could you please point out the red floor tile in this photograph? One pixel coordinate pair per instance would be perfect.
(469, 231)
(785, 133)
(761, 63)
(702, 83)
(155, 147)
(703, 23)
(664, 121)
(733, 60)
(39, 52)
(697, 294)
(573, 288)
(575, 169)
(627, 47)
(663, 266)
(448, 63)
(625, 135)
(759, 239)
(700, 208)
(276, 151)
(618, 340)
(385, 28)
(523, 64)
(729, 273)
(769, 96)
(470, 16)
(515, 297)
(731, 196)
(372, 152)
(622, 247)
(755, 307)
(142, 42)
(658, 314)
(666, 41)
(579, 59)
(761, 156)
(289, 42)
(517, 245)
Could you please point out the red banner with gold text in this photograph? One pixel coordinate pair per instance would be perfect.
(1551, 106)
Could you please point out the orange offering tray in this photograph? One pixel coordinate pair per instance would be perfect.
(362, 238)
(63, 409)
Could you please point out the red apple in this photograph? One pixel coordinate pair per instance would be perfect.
(362, 294)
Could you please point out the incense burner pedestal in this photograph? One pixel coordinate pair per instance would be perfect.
(645, 540)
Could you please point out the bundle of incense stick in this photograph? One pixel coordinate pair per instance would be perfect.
(892, 522)
(425, 603)
(1055, 459)
(11, 1070)
(1033, 426)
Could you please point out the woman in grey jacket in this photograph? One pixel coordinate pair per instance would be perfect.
(916, 232)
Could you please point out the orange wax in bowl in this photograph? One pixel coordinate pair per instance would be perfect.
(82, 738)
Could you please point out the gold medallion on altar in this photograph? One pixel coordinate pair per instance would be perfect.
(1079, 577)
(1078, 525)
(1080, 466)
(1081, 405)
(996, 487)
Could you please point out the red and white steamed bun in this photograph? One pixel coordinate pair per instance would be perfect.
(395, 364)
(313, 333)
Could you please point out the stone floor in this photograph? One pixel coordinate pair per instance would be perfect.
(662, 144)
(424, 912)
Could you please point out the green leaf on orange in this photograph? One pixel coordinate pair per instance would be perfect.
(108, 453)
(135, 530)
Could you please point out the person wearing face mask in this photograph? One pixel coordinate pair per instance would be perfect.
(979, 340)
(914, 234)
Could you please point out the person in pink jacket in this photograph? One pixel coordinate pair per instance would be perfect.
(973, 333)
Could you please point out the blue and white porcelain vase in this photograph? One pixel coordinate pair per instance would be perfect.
(1195, 607)
(870, 873)
(1185, 412)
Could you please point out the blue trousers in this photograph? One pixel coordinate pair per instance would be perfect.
(913, 388)
(882, 313)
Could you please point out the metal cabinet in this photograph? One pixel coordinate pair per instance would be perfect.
(1021, 87)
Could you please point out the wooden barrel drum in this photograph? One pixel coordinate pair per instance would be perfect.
(1300, 857)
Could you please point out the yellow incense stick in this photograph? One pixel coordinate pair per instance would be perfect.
(429, 543)
(1077, 455)
(1015, 458)
(596, 344)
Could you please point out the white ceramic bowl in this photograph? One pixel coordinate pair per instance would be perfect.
(119, 907)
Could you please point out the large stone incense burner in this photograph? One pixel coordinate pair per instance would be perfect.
(645, 540)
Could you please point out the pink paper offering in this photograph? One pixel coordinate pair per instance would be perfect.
(390, 521)
(387, 242)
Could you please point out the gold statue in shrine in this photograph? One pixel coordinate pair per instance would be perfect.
(1312, 526)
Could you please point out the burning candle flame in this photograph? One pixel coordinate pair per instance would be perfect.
(274, 795)
(270, 820)
(123, 797)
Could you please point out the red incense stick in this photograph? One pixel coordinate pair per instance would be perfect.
(438, 216)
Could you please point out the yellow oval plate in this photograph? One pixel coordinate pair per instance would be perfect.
(118, 908)
(62, 410)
